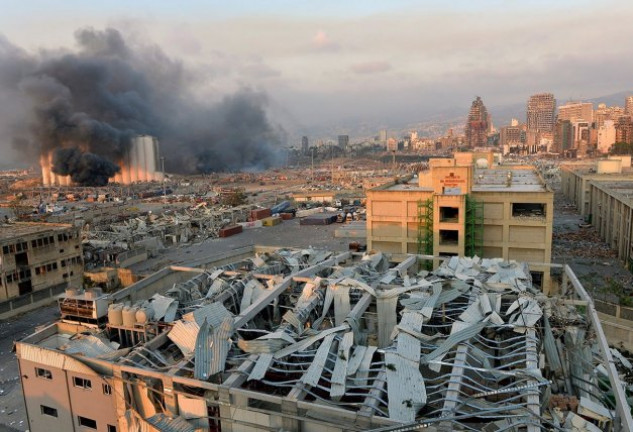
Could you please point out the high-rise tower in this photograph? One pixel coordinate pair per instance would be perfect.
(540, 113)
(477, 124)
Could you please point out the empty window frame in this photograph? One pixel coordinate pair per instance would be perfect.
(111, 428)
(449, 214)
(536, 210)
(449, 237)
(46, 410)
(106, 389)
(83, 383)
(86, 422)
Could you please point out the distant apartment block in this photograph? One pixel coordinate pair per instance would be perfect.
(36, 256)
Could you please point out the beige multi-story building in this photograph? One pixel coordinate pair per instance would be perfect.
(464, 206)
(601, 191)
(37, 256)
(576, 111)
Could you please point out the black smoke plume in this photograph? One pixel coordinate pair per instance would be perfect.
(86, 106)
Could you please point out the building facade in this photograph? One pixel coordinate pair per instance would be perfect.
(477, 125)
(461, 207)
(36, 256)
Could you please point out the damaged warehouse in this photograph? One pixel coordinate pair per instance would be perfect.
(311, 340)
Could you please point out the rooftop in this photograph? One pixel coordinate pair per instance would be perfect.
(508, 180)
(21, 229)
(469, 346)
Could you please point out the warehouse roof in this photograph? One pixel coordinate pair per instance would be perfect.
(20, 229)
(471, 345)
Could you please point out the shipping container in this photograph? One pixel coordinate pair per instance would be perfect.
(230, 230)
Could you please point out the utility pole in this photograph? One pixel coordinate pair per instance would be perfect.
(312, 157)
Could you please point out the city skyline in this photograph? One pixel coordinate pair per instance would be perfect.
(370, 60)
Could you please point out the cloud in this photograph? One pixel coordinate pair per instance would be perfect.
(370, 67)
(322, 42)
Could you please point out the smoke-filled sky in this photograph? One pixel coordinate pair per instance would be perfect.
(318, 63)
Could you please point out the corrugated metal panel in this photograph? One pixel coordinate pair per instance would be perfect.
(341, 303)
(184, 335)
(362, 375)
(88, 345)
(405, 387)
(213, 313)
(427, 310)
(465, 333)
(313, 374)
(551, 351)
(307, 342)
(337, 390)
(203, 353)
(356, 359)
(167, 424)
(221, 345)
(161, 305)
(408, 346)
(262, 365)
(50, 358)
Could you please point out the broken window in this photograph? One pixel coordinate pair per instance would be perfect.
(46, 410)
(449, 237)
(85, 384)
(43, 373)
(535, 210)
(449, 214)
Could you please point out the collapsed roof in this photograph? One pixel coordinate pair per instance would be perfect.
(469, 346)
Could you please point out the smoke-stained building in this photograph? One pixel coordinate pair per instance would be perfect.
(38, 256)
(141, 163)
(477, 125)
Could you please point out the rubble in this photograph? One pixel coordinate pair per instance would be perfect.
(468, 346)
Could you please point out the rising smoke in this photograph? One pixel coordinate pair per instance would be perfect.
(86, 106)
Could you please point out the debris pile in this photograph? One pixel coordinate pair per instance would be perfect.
(469, 346)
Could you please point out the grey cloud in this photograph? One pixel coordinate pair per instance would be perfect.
(370, 67)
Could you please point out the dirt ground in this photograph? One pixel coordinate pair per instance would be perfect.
(591, 259)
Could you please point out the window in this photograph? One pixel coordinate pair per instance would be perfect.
(107, 389)
(86, 422)
(5, 249)
(111, 428)
(528, 210)
(48, 411)
(449, 237)
(43, 373)
(449, 214)
(82, 383)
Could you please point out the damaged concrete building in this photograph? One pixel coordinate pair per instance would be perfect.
(601, 191)
(37, 261)
(305, 340)
(464, 206)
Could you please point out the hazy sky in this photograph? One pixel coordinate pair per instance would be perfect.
(335, 61)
